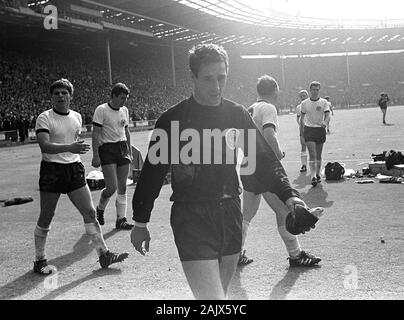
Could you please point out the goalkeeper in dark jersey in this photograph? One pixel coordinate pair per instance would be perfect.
(198, 140)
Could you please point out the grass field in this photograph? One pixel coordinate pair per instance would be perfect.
(355, 265)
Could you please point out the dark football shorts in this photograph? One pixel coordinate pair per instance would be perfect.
(61, 177)
(251, 184)
(116, 152)
(207, 230)
(315, 134)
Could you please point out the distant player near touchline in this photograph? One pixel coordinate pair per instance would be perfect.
(384, 98)
(313, 123)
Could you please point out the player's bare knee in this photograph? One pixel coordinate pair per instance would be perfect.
(45, 219)
(109, 191)
(89, 216)
(92, 228)
(122, 189)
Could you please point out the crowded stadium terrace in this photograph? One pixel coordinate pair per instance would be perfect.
(144, 44)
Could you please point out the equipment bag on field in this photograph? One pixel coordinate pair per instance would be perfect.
(334, 171)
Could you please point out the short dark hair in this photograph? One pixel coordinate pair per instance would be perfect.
(62, 83)
(206, 53)
(266, 85)
(119, 88)
(315, 84)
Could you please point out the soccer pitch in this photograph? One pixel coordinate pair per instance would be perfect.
(355, 264)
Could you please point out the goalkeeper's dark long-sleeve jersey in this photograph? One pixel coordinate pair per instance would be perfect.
(204, 168)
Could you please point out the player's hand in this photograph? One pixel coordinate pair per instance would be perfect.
(79, 147)
(96, 162)
(295, 201)
(138, 236)
(323, 124)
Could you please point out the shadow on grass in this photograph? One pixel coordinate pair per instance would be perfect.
(283, 287)
(95, 274)
(30, 280)
(301, 181)
(316, 197)
(236, 289)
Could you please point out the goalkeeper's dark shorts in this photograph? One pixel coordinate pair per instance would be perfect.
(207, 230)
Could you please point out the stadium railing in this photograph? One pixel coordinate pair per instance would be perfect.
(10, 135)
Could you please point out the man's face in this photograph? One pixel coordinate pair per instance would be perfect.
(303, 96)
(314, 92)
(61, 98)
(210, 82)
(119, 100)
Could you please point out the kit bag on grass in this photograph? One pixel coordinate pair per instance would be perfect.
(334, 171)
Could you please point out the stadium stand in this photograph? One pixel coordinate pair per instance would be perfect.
(146, 69)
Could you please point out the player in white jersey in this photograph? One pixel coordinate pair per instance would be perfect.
(264, 114)
(332, 113)
(313, 123)
(303, 95)
(112, 150)
(61, 171)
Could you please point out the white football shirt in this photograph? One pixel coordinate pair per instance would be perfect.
(62, 129)
(264, 113)
(314, 111)
(112, 121)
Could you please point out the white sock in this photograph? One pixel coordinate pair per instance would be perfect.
(93, 229)
(318, 167)
(291, 241)
(312, 165)
(40, 235)
(246, 224)
(303, 157)
(121, 204)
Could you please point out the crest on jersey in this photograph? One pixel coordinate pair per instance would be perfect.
(122, 122)
(232, 136)
(318, 108)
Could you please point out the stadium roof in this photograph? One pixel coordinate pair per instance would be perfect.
(234, 23)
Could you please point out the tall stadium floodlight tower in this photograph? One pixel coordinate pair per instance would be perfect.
(109, 69)
(348, 81)
(173, 64)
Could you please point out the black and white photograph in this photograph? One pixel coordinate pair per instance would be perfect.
(229, 152)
